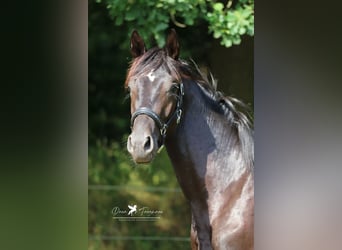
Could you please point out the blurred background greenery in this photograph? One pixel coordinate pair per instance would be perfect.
(207, 30)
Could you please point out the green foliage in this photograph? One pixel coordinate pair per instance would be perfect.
(231, 24)
(227, 23)
(108, 164)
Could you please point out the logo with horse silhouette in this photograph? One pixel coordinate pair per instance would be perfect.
(135, 213)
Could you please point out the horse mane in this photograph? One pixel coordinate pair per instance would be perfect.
(235, 111)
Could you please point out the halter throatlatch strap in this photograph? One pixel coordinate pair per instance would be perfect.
(163, 126)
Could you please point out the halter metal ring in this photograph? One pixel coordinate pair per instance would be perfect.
(163, 130)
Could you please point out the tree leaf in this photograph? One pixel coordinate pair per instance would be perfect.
(218, 6)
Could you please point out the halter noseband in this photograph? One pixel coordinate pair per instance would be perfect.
(163, 126)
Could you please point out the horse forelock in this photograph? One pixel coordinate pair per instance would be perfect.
(152, 60)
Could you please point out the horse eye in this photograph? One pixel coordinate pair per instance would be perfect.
(128, 89)
(174, 88)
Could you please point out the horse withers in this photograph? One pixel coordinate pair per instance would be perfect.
(208, 139)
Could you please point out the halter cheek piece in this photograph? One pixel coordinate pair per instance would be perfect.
(163, 126)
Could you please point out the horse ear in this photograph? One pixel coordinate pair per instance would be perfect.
(172, 45)
(137, 45)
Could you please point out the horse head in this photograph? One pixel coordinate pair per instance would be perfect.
(156, 93)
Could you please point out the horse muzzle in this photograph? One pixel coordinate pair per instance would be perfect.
(142, 147)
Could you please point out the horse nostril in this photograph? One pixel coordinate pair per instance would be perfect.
(148, 144)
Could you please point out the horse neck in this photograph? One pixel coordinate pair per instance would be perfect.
(204, 142)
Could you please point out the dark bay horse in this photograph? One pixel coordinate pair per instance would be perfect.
(209, 141)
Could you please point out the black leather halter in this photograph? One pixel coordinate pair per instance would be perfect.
(163, 126)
